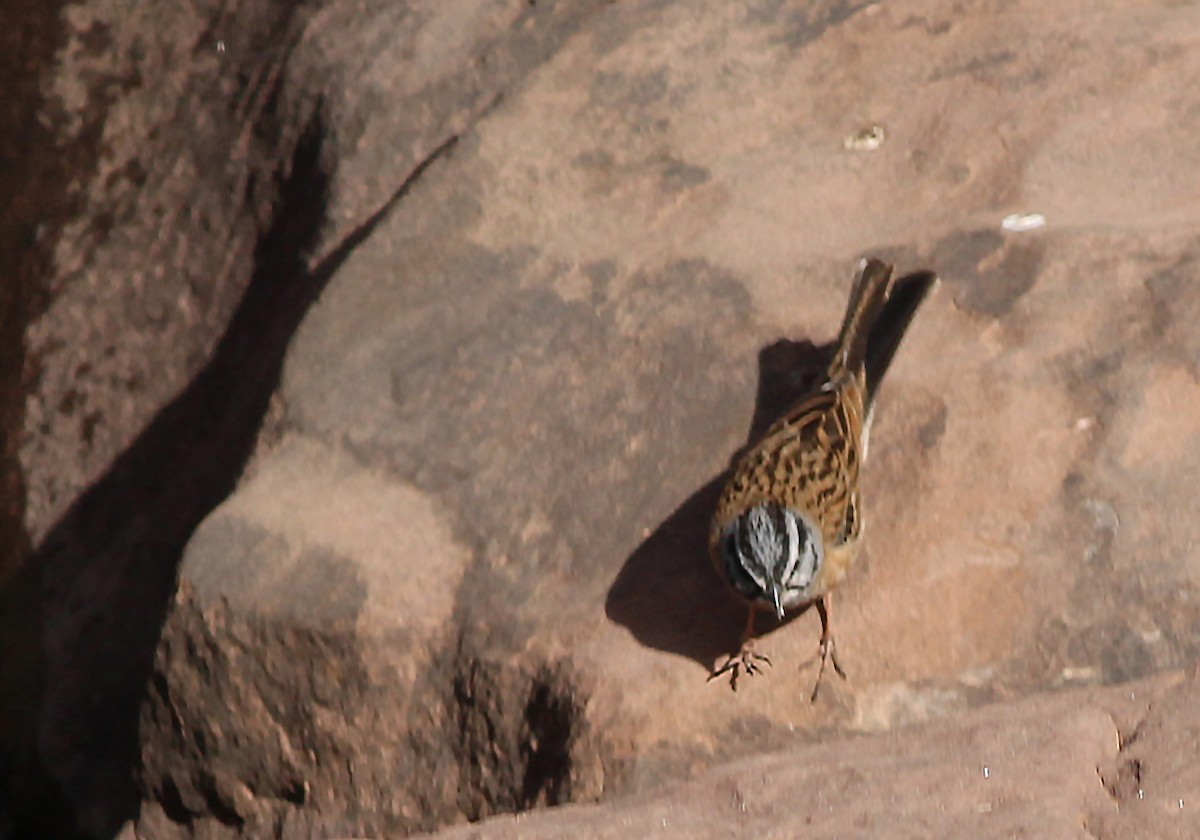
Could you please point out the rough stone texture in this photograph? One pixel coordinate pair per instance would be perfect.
(1153, 779)
(1030, 768)
(200, 165)
(172, 186)
(32, 182)
(168, 211)
(327, 623)
(465, 571)
(555, 339)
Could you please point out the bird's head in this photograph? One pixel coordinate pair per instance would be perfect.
(772, 554)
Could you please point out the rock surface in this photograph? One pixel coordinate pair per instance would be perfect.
(566, 258)
(1082, 763)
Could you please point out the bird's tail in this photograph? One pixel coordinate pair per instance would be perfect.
(867, 298)
(877, 316)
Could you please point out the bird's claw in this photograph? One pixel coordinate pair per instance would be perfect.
(744, 661)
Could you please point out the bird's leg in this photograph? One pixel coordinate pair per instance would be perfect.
(746, 659)
(827, 650)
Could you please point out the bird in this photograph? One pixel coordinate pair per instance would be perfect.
(788, 525)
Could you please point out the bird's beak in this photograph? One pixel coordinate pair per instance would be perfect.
(777, 597)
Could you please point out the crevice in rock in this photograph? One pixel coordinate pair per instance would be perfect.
(551, 720)
(517, 731)
(219, 808)
(295, 793)
(1126, 739)
(1121, 774)
(171, 802)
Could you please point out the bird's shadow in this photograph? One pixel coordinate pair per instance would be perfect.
(668, 595)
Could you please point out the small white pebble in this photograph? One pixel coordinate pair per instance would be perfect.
(1021, 222)
(987, 773)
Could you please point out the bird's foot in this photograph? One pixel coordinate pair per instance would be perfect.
(745, 661)
(827, 652)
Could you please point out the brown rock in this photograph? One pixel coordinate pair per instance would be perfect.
(1037, 768)
(150, 205)
(465, 573)
(196, 161)
(286, 675)
(1154, 779)
(553, 340)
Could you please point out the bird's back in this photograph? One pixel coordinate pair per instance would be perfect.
(807, 461)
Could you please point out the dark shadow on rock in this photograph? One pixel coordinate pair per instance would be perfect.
(98, 588)
(96, 593)
(36, 182)
(667, 594)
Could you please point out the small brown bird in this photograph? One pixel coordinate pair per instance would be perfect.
(789, 523)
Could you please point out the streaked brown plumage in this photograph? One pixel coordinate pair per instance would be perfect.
(788, 525)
